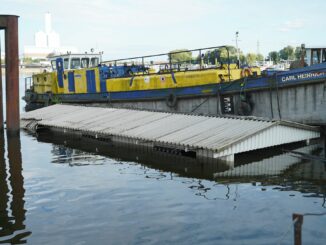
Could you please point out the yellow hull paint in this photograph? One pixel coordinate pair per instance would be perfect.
(47, 82)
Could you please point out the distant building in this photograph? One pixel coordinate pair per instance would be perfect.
(46, 42)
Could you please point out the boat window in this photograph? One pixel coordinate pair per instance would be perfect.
(94, 62)
(54, 65)
(324, 55)
(75, 63)
(85, 62)
(315, 56)
(66, 63)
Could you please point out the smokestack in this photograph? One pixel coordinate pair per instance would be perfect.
(48, 24)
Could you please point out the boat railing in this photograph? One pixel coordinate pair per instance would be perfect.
(176, 61)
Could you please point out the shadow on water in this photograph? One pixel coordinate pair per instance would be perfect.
(271, 167)
(12, 211)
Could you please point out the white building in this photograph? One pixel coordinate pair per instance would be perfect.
(46, 42)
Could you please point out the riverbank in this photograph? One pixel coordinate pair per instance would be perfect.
(26, 71)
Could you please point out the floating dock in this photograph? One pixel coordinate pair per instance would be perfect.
(208, 137)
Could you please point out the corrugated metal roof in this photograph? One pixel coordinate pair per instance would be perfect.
(221, 136)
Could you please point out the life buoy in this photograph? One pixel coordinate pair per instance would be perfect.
(246, 72)
(171, 100)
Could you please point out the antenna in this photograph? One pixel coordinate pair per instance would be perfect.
(258, 47)
(236, 44)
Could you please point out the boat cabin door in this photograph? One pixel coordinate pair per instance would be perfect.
(60, 70)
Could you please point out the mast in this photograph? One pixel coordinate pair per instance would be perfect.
(237, 47)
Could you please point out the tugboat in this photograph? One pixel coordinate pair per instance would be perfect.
(84, 78)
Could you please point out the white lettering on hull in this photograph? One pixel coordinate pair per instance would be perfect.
(303, 76)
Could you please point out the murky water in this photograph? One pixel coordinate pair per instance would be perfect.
(59, 190)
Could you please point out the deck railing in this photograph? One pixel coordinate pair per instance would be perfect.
(183, 60)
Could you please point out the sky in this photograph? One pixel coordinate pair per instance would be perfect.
(125, 28)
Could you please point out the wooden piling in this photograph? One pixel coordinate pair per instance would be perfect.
(298, 221)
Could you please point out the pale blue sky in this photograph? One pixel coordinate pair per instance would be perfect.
(126, 28)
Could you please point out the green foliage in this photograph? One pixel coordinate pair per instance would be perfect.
(287, 53)
(221, 55)
(297, 53)
(260, 57)
(27, 60)
(251, 58)
(55, 100)
(232, 52)
(274, 56)
(243, 59)
(184, 55)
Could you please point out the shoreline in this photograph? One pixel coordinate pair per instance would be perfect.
(26, 71)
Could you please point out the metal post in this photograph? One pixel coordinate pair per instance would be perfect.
(298, 221)
(1, 99)
(236, 44)
(170, 61)
(143, 64)
(200, 65)
(16, 181)
(10, 24)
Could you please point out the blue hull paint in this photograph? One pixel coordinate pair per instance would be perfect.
(307, 75)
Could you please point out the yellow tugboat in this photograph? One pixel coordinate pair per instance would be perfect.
(85, 78)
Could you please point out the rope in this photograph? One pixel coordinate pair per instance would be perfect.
(314, 214)
(278, 100)
(199, 105)
(294, 222)
(271, 98)
(218, 100)
(289, 228)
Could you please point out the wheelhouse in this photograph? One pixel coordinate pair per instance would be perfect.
(76, 61)
(315, 55)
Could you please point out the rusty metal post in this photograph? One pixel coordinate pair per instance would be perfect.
(10, 24)
(298, 221)
(12, 75)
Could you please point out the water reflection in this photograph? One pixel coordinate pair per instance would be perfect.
(12, 211)
(273, 167)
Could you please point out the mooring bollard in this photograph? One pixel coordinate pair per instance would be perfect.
(298, 221)
(9, 23)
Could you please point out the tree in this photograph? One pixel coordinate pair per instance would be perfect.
(274, 56)
(297, 53)
(251, 58)
(50, 55)
(27, 60)
(287, 53)
(260, 57)
(182, 55)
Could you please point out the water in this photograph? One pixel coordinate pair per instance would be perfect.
(58, 190)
